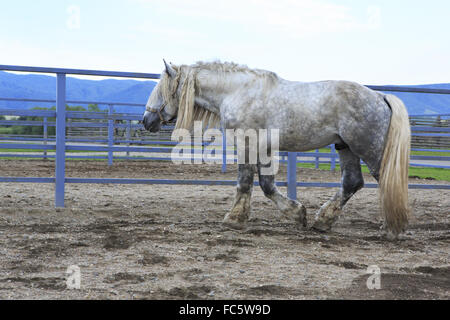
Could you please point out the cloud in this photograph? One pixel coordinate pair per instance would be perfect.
(168, 32)
(305, 18)
(16, 52)
(292, 18)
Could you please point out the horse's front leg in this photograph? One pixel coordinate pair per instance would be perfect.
(290, 208)
(240, 211)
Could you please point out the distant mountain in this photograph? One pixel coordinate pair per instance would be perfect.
(426, 103)
(32, 86)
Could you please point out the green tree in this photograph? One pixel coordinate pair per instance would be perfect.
(39, 129)
(94, 108)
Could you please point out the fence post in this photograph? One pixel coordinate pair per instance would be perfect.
(292, 175)
(224, 151)
(333, 160)
(60, 166)
(45, 136)
(317, 160)
(110, 134)
(128, 134)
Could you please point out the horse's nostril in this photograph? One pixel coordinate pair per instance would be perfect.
(144, 122)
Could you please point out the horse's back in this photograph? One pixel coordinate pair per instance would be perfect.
(328, 93)
(315, 114)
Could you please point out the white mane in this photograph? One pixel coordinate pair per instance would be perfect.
(188, 112)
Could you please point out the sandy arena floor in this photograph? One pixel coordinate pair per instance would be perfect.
(167, 242)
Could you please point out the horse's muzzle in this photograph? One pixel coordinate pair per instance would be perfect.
(151, 121)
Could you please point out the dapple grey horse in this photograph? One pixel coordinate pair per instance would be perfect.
(363, 124)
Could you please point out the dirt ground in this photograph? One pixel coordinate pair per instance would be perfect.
(167, 242)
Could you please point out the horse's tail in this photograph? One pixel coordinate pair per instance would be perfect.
(393, 180)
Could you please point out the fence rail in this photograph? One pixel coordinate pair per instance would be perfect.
(109, 120)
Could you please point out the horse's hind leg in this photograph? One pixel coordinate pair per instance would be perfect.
(291, 208)
(352, 181)
(240, 211)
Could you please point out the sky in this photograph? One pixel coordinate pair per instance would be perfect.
(370, 42)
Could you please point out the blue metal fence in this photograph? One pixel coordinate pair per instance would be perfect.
(61, 147)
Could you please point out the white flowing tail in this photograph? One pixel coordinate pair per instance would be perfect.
(393, 181)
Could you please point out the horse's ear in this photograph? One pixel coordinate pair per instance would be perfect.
(170, 70)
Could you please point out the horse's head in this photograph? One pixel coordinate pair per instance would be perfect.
(177, 96)
(162, 106)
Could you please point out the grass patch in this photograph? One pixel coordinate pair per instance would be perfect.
(67, 159)
(22, 150)
(430, 173)
(5, 130)
(414, 172)
(430, 153)
(48, 151)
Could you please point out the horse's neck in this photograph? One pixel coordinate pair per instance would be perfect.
(214, 88)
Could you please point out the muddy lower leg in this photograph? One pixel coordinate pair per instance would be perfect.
(329, 213)
(290, 208)
(352, 181)
(240, 210)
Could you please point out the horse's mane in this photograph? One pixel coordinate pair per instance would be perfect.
(188, 112)
(231, 67)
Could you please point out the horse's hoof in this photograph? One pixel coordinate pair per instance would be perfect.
(320, 226)
(233, 225)
(300, 218)
(389, 235)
